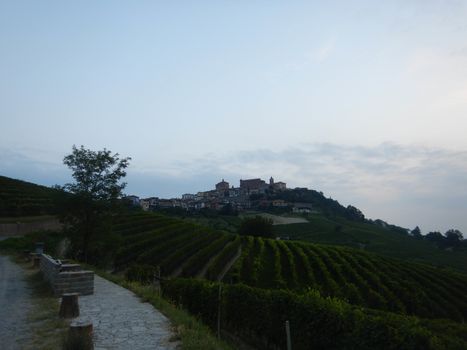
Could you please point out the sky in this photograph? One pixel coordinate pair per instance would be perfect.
(365, 101)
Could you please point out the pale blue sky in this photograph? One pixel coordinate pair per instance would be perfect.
(359, 99)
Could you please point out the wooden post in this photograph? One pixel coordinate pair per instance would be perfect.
(156, 280)
(80, 336)
(159, 280)
(219, 313)
(69, 307)
(36, 261)
(287, 332)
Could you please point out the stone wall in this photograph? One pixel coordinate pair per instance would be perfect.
(66, 278)
(23, 228)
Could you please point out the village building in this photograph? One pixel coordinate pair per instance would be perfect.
(222, 186)
(277, 186)
(253, 186)
(302, 208)
(144, 204)
(279, 203)
(133, 200)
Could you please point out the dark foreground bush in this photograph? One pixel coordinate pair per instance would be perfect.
(259, 316)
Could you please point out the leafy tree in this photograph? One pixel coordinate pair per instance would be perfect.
(94, 197)
(453, 237)
(416, 232)
(228, 209)
(257, 226)
(354, 213)
(435, 237)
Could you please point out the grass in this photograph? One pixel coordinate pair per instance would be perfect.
(190, 332)
(47, 329)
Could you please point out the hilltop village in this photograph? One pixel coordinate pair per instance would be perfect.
(251, 193)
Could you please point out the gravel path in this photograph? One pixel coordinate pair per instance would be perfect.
(15, 304)
(121, 321)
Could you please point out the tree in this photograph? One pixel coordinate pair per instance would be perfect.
(94, 195)
(354, 213)
(416, 232)
(257, 226)
(436, 237)
(453, 237)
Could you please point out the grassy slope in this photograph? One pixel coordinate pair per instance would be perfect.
(21, 198)
(373, 239)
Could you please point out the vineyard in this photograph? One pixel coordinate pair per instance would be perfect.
(178, 248)
(372, 238)
(357, 277)
(183, 249)
(20, 198)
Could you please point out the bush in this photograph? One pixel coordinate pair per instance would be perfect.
(258, 316)
(257, 226)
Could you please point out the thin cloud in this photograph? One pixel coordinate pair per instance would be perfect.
(324, 52)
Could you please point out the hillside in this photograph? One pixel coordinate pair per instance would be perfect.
(179, 248)
(189, 250)
(372, 238)
(336, 230)
(21, 198)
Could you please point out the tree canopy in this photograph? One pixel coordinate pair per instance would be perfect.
(96, 174)
(257, 226)
(94, 195)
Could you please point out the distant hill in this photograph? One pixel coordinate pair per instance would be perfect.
(329, 207)
(21, 198)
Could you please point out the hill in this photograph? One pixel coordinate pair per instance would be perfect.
(183, 249)
(387, 240)
(21, 198)
(372, 238)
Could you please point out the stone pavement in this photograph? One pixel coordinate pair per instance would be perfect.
(15, 305)
(121, 321)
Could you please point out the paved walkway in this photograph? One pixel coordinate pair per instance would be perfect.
(121, 321)
(15, 304)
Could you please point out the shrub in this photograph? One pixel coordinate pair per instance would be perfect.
(257, 226)
(258, 316)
